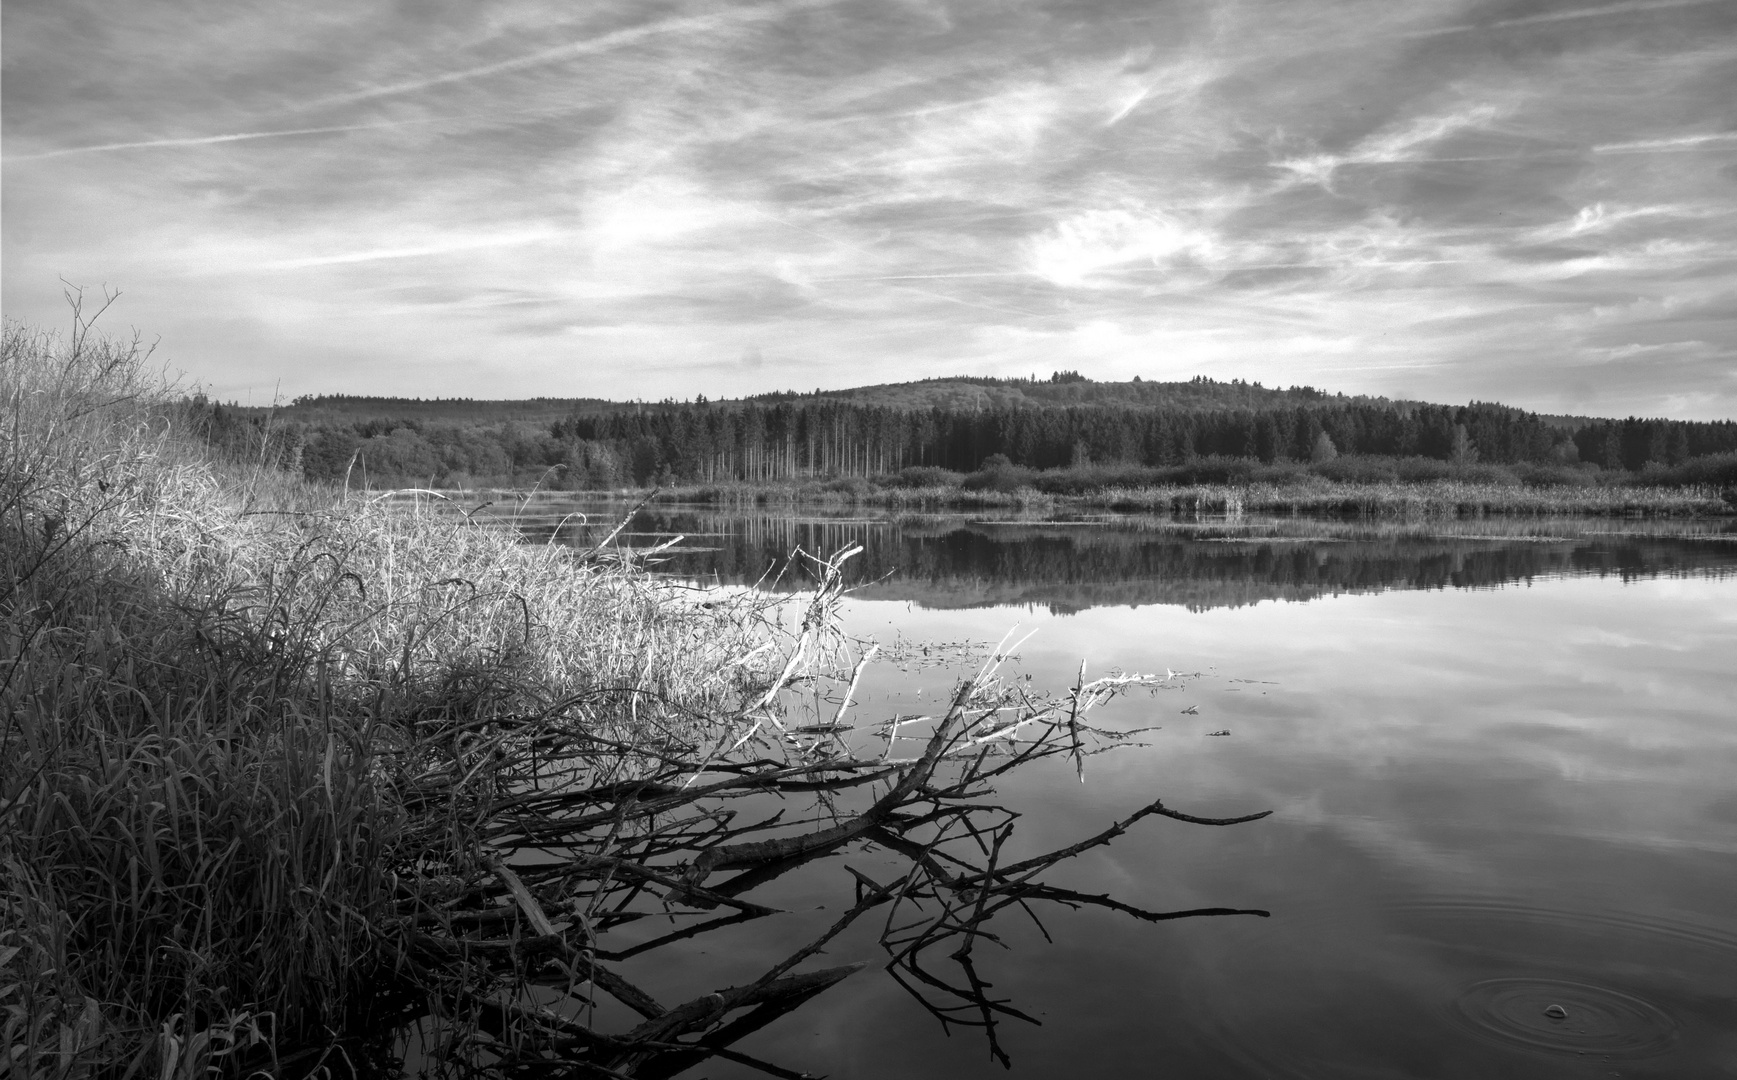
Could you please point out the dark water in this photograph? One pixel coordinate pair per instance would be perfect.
(1123, 560)
(1502, 757)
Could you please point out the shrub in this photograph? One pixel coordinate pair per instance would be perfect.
(1212, 470)
(848, 485)
(1080, 479)
(1279, 472)
(923, 476)
(1469, 472)
(1423, 468)
(1714, 469)
(1358, 468)
(1534, 474)
(1004, 478)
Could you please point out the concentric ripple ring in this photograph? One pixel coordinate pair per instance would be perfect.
(1557, 1016)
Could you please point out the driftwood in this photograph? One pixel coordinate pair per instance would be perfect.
(590, 835)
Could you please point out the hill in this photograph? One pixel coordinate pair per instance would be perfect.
(345, 408)
(1068, 388)
(953, 425)
(956, 393)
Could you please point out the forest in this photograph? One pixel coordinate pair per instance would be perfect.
(941, 428)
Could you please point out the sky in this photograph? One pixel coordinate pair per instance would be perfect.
(1527, 201)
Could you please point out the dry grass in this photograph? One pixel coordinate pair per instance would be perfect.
(240, 714)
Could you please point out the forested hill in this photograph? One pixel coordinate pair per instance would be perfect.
(954, 393)
(965, 393)
(955, 425)
(348, 409)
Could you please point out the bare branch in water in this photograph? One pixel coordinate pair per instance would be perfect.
(587, 833)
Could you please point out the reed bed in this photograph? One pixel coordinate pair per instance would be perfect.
(1308, 495)
(1433, 498)
(226, 697)
(285, 772)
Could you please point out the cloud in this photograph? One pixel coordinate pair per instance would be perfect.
(530, 199)
(446, 245)
(652, 213)
(574, 50)
(1077, 248)
(1403, 143)
(201, 140)
(1595, 11)
(1709, 141)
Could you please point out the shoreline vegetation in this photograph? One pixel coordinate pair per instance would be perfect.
(296, 779)
(1337, 485)
(1069, 441)
(1461, 494)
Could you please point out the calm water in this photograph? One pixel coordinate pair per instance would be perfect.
(1502, 758)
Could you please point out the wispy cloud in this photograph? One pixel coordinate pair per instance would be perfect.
(533, 199)
(574, 50)
(1711, 141)
(1401, 144)
(216, 140)
(200, 140)
(448, 245)
(1543, 18)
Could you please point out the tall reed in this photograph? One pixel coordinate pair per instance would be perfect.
(243, 718)
(1302, 494)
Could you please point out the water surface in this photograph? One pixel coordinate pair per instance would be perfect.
(1500, 755)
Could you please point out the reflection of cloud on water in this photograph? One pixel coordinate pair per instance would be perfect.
(1453, 715)
(1454, 772)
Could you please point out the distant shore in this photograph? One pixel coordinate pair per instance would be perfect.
(1304, 494)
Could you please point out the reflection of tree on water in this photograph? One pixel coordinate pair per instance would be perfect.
(958, 562)
(521, 956)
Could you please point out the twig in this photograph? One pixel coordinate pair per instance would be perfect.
(613, 533)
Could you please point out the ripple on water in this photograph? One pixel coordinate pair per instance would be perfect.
(1562, 1017)
(1469, 982)
(1544, 927)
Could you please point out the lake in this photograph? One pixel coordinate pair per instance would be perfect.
(1501, 757)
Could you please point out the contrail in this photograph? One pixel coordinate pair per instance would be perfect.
(927, 277)
(208, 140)
(1606, 9)
(1563, 16)
(590, 47)
(447, 247)
(200, 140)
(1684, 142)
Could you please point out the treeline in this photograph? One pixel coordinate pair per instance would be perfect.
(1634, 444)
(791, 440)
(966, 392)
(769, 441)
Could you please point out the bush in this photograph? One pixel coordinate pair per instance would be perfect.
(1533, 474)
(1000, 477)
(1715, 469)
(1358, 468)
(923, 476)
(1081, 479)
(1211, 470)
(848, 485)
(1423, 468)
(1279, 472)
(1475, 473)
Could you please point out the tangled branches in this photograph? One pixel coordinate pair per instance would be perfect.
(589, 836)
